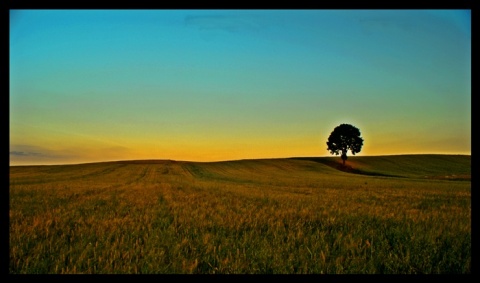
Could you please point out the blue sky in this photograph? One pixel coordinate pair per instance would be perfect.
(204, 85)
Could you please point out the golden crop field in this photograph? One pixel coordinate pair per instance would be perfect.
(388, 214)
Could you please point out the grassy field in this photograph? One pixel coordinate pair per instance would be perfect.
(385, 214)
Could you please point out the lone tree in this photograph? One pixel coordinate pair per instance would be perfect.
(343, 138)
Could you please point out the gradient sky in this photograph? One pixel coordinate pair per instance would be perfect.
(207, 85)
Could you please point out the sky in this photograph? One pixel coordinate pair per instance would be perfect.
(213, 85)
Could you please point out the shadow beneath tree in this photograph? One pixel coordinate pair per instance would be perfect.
(334, 163)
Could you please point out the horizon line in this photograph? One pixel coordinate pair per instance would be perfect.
(231, 160)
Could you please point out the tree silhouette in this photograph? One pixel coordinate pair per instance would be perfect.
(345, 137)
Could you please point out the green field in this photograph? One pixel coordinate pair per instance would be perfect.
(385, 214)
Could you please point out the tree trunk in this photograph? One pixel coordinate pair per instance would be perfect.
(344, 156)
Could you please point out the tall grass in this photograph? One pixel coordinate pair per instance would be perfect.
(253, 216)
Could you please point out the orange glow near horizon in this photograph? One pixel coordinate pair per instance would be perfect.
(83, 150)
